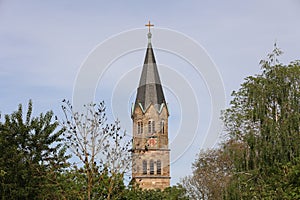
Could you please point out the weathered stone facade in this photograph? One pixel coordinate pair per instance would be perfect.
(151, 147)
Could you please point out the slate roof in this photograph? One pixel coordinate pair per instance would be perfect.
(150, 89)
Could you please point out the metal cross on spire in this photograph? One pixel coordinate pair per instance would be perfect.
(149, 25)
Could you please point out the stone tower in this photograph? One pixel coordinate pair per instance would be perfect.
(150, 152)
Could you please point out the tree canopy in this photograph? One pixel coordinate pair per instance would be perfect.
(264, 118)
(261, 142)
(32, 154)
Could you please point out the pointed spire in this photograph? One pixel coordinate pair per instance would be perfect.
(150, 90)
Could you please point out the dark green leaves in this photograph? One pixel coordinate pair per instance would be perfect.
(264, 117)
(31, 151)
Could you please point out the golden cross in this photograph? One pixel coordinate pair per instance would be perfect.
(149, 25)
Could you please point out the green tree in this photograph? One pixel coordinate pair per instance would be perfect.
(170, 193)
(101, 148)
(32, 155)
(211, 174)
(264, 122)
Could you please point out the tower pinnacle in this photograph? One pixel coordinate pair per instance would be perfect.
(149, 25)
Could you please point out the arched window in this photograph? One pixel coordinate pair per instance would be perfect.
(151, 167)
(140, 127)
(144, 167)
(151, 126)
(162, 126)
(158, 164)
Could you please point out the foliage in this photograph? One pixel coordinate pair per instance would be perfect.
(32, 154)
(211, 174)
(264, 122)
(260, 157)
(101, 148)
(170, 193)
(33, 163)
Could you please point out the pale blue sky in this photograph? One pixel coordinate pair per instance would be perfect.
(44, 43)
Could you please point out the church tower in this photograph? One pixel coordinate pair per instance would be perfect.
(150, 151)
